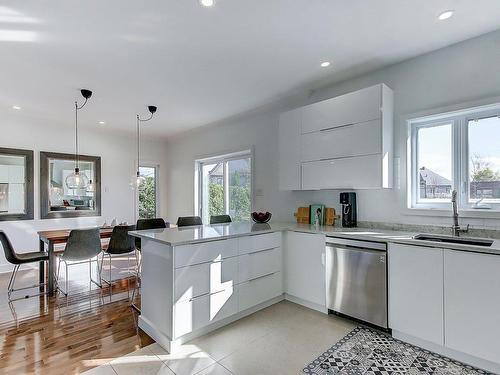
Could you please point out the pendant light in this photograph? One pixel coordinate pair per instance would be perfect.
(78, 180)
(152, 109)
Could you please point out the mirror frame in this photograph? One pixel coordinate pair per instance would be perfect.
(28, 183)
(45, 213)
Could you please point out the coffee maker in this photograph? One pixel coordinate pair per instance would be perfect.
(349, 209)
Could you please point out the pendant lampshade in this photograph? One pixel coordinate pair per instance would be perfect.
(77, 179)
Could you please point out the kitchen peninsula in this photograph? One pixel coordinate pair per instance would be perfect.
(197, 279)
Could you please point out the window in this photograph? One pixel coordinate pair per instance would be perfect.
(456, 151)
(16, 184)
(225, 186)
(147, 193)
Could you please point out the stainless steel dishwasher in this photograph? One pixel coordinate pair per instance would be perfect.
(356, 279)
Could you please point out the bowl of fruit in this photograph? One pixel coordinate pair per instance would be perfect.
(261, 217)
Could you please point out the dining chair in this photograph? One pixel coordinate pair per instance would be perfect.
(220, 219)
(83, 246)
(120, 243)
(18, 259)
(187, 221)
(144, 224)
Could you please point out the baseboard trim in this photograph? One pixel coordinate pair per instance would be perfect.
(453, 354)
(308, 304)
(153, 332)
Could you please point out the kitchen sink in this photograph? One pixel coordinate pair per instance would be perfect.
(455, 240)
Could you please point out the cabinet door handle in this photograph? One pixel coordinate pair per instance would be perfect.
(336, 127)
(260, 277)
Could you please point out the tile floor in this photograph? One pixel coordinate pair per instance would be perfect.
(279, 340)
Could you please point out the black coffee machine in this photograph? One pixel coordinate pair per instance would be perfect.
(349, 209)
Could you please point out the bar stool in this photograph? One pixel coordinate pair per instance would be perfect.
(187, 221)
(17, 259)
(220, 219)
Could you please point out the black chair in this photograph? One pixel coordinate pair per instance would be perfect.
(119, 244)
(187, 221)
(17, 259)
(220, 219)
(145, 224)
(83, 246)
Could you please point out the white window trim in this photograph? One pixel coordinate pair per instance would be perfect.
(460, 160)
(226, 156)
(156, 166)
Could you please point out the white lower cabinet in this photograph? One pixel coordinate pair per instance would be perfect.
(416, 292)
(472, 304)
(260, 263)
(305, 267)
(198, 312)
(258, 290)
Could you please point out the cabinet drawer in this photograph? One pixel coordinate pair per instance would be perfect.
(194, 281)
(359, 106)
(186, 255)
(259, 290)
(196, 313)
(352, 140)
(361, 172)
(260, 263)
(259, 242)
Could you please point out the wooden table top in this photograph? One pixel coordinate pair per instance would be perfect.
(62, 235)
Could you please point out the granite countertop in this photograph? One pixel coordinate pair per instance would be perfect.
(204, 233)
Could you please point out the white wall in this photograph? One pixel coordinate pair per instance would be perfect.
(118, 160)
(457, 74)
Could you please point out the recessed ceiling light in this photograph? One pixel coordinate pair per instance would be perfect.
(445, 15)
(207, 3)
(325, 64)
(102, 123)
(16, 107)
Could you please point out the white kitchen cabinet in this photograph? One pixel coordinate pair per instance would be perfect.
(315, 136)
(359, 172)
(249, 244)
(198, 312)
(350, 140)
(194, 281)
(259, 290)
(186, 255)
(355, 107)
(289, 150)
(305, 268)
(416, 291)
(259, 263)
(472, 303)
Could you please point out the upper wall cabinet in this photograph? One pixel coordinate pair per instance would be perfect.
(326, 145)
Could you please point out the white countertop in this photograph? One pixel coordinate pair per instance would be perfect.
(203, 233)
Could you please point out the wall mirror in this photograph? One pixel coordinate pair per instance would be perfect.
(16, 184)
(58, 198)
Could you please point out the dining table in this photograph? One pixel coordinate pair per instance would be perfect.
(50, 238)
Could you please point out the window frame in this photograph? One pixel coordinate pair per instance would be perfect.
(29, 204)
(459, 121)
(222, 158)
(157, 189)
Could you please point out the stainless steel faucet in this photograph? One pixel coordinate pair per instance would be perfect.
(456, 227)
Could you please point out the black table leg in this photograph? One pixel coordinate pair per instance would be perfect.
(51, 269)
(41, 269)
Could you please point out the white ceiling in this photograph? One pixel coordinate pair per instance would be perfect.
(201, 65)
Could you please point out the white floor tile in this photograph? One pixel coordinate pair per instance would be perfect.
(215, 370)
(186, 360)
(100, 370)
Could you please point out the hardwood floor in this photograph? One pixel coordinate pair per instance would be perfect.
(67, 335)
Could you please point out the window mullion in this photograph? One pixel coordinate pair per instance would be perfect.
(226, 188)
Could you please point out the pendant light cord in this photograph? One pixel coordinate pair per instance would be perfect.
(77, 155)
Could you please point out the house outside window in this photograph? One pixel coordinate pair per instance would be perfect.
(455, 151)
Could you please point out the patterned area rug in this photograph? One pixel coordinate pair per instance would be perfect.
(366, 351)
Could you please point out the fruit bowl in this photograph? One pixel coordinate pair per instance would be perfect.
(261, 217)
